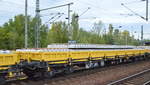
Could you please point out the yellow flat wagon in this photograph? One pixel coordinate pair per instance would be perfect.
(7, 60)
(55, 57)
(51, 62)
(8, 66)
(79, 55)
(62, 57)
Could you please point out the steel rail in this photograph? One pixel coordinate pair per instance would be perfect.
(129, 77)
(147, 83)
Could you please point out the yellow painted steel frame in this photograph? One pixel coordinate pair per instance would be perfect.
(7, 60)
(62, 57)
(23, 55)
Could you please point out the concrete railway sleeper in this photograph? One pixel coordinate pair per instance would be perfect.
(133, 79)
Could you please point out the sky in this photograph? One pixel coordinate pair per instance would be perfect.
(107, 11)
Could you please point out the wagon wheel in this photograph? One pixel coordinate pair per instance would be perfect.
(49, 74)
(69, 70)
(30, 75)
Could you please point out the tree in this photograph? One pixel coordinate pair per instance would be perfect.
(109, 36)
(97, 28)
(43, 36)
(125, 37)
(12, 33)
(58, 33)
(116, 36)
(97, 33)
(75, 27)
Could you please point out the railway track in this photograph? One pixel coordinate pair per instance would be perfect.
(84, 77)
(140, 78)
(147, 83)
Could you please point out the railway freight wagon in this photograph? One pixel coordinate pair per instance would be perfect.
(8, 66)
(49, 63)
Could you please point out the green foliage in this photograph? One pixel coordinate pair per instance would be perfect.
(12, 33)
(58, 33)
(75, 27)
(112, 37)
(109, 36)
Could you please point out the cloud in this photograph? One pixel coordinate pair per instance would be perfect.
(106, 10)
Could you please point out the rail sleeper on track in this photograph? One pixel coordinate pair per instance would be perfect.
(128, 80)
(147, 83)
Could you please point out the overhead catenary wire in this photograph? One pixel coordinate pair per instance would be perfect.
(50, 19)
(92, 5)
(133, 2)
(84, 12)
(38, 10)
(132, 11)
(54, 13)
(54, 17)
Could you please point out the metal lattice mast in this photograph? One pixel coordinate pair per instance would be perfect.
(26, 23)
(142, 35)
(146, 10)
(37, 41)
(69, 29)
(38, 10)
